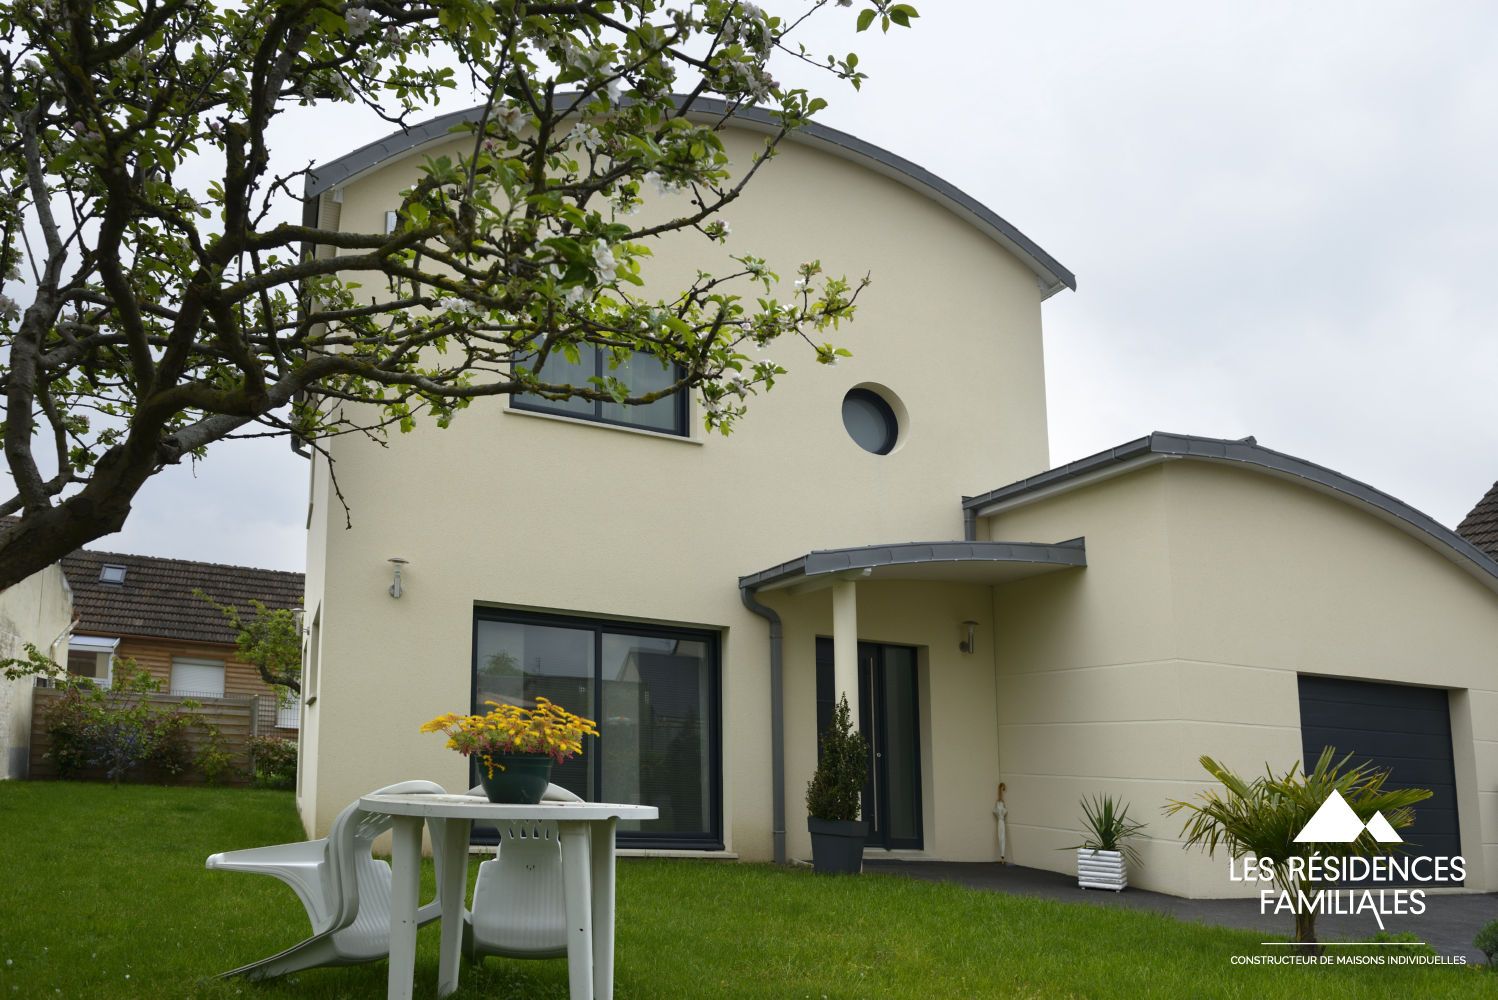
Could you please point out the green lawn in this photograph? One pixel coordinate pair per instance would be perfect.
(103, 894)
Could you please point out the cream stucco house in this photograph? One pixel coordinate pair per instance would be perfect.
(892, 528)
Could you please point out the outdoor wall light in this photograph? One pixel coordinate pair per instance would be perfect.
(970, 633)
(395, 588)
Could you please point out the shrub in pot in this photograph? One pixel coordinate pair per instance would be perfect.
(832, 797)
(1103, 857)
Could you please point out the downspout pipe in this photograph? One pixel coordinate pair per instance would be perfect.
(777, 721)
(969, 524)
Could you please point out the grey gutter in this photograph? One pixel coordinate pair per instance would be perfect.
(1062, 473)
(777, 722)
(1052, 274)
(1247, 451)
(825, 561)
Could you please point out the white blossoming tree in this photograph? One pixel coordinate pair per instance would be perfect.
(146, 317)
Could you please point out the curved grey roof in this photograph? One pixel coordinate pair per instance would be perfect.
(958, 557)
(1052, 275)
(1248, 452)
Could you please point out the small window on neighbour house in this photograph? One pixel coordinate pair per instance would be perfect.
(111, 573)
(641, 373)
(200, 678)
(92, 656)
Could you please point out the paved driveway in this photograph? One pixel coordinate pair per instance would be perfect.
(1449, 922)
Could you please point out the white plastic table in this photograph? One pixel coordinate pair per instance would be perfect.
(586, 832)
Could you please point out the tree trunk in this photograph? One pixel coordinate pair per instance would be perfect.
(41, 538)
(1305, 930)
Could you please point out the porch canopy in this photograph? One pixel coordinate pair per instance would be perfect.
(841, 570)
(949, 562)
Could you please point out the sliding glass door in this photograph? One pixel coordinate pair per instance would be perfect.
(654, 692)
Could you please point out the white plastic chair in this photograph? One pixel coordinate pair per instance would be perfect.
(518, 907)
(345, 890)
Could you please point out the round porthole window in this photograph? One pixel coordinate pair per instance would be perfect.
(871, 421)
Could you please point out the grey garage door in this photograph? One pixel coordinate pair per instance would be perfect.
(1405, 729)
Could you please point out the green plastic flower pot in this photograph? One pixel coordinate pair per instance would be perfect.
(518, 777)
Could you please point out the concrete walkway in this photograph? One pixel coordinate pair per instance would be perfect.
(1449, 922)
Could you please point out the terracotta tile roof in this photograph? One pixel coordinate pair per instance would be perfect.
(1481, 526)
(156, 596)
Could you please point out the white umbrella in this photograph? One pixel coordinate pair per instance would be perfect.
(1000, 811)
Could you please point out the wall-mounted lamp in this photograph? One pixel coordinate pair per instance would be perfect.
(395, 588)
(299, 620)
(970, 633)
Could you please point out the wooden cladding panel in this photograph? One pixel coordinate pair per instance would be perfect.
(155, 655)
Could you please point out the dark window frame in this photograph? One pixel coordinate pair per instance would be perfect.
(886, 412)
(708, 840)
(556, 408)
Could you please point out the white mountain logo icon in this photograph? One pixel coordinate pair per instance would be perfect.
(1336, 823)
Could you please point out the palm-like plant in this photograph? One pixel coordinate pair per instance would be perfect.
(1264, 815)
(1108, 828)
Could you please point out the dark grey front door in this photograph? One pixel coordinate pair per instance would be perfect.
(889, 718)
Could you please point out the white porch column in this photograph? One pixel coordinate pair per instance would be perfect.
(845, 643)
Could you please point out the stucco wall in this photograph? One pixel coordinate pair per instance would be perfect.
(1208, 588)
(517, 510)
(37, 610)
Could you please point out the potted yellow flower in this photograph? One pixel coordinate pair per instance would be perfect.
(515, 747)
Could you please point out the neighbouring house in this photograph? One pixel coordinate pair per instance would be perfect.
(146, 608)
(1480, 526)
(890, 529)
(38, 612)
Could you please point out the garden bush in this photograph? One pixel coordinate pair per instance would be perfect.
(1487, 941)
(275, 761)
(119, 730)
(215, 761)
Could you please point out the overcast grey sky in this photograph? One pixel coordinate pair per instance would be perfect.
(1282, 217)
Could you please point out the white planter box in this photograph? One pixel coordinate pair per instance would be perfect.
(1101, 870)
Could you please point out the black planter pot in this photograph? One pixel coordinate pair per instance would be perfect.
(837, 845)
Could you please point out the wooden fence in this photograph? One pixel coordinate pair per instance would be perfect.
(237, 719)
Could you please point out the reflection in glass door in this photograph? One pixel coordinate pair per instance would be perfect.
(889, 718)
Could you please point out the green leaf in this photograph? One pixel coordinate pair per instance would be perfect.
(866, 18)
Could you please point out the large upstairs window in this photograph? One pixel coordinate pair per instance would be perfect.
(640, 373)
